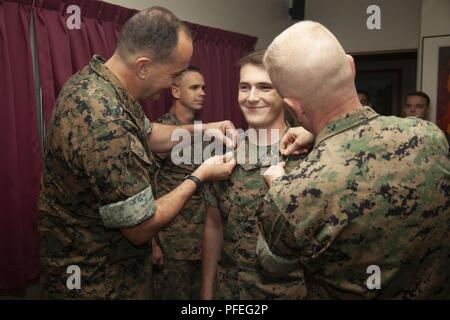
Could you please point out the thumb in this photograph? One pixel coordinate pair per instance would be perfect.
(284, 142)
(228, 157)
(290, 149)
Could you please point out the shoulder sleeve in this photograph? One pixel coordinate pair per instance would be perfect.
(118, 166)
(292, 219)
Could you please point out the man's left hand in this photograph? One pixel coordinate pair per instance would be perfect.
(224, 131)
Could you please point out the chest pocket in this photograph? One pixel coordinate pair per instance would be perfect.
(147, 159)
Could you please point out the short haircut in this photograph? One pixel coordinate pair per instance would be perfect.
(190, 68)
(420, 94)
(153, 30)
(255, 58)
(307, 62)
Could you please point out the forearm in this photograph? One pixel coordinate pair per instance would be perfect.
(160, 140)
(167, 208)
(212, 246)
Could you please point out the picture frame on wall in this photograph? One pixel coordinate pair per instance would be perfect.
(384, 89)
(435, 78)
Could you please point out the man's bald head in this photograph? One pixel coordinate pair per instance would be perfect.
(306, 62)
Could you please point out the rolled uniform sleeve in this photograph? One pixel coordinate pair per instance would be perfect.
(293, 221)
(118, 168)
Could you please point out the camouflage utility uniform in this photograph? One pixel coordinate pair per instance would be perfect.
(181, 241)
(373, 193)
(96, 181)
(237, 200)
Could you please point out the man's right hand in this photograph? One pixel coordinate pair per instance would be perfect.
(216, 168)
(296, 141)
(157, 254)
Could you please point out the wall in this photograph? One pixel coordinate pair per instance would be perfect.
(407, 68)
(400, 23)
(435, 17)
(435, 21)
(261, 18)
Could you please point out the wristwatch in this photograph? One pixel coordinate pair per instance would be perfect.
(197, 181)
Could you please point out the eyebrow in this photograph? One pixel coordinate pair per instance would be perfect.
(258, 84)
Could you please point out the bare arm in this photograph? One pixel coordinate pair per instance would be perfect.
(168, 206)
(157, 254)
(212, 245)
(160, 139)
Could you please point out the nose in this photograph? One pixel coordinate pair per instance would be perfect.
(253, 95)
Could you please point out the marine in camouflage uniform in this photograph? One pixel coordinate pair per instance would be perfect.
(238, 200)
(374, 190)
(96, 181)
(181, 241)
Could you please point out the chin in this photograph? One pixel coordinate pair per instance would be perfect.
(256, 122)
(196, 108)
(155, 96)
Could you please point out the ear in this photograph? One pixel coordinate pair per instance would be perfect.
(175, 91)
(295, 107)
(143, 67)
(351, 63)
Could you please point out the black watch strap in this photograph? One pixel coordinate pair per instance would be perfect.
(197, 181)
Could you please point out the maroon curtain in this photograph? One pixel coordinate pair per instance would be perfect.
(19, 141)
(216, 53)
(62, 52)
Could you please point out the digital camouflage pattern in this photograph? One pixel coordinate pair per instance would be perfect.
(182, 238)
(177, 280)
(238, 200)
(374, 190)
(96, 181)
(181, 241)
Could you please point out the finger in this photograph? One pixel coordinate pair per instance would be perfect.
(290, 149)
(230, 125)
(228, 157)
(299, 152)
(229, 142)
(284, 143)
(234, 136)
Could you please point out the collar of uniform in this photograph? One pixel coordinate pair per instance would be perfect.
(346, 122)
(97, 64)
(174, 117)
(264, 160)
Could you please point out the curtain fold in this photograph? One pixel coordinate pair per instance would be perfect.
(63, 52)
(60, 53)
(19, 138)
(216, 53)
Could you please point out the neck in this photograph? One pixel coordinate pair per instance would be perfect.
(116, 65)
(273, 132)
(183, 113)
(321, 120)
